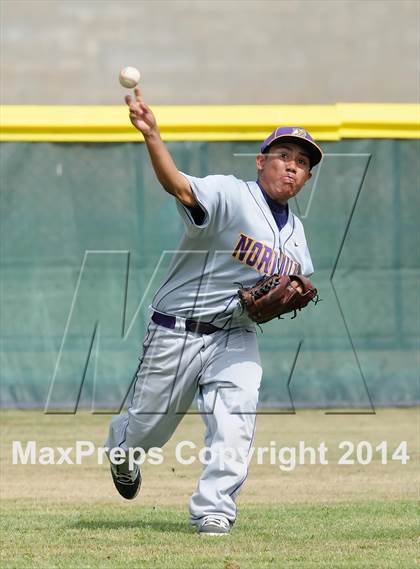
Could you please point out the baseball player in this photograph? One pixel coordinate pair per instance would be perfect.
(200, 341)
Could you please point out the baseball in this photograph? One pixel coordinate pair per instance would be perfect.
(129, 77)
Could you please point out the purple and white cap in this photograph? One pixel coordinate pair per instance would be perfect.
(295, 134)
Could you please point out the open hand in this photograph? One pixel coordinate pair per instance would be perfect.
(141, 115)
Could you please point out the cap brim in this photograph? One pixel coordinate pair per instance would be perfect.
(315, 153)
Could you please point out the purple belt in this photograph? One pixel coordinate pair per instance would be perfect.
(191, 325)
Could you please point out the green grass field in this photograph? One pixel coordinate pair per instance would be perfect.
(312, 516)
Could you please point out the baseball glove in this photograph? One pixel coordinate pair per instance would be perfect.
(275, 295)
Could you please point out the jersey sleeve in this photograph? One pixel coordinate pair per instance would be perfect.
(213, 194)
(300, 242)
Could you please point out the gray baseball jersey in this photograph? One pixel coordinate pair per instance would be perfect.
(238, 242)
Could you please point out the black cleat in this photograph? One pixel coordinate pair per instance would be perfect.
(127, 483)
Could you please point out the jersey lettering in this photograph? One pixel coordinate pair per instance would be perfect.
(254, 254)
(265, 261)
(262, 258)
(242, 247)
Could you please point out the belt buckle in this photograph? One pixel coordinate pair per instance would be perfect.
(200, 327)
(193, 326)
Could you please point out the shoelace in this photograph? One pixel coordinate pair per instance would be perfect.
(124, 477)
(215, 521)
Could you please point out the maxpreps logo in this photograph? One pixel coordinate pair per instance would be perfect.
(263, 258)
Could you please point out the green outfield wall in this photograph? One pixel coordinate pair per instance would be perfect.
(87, 235)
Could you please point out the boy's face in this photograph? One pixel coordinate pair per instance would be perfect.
(283, 170)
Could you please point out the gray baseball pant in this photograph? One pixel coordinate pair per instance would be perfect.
(225, 368)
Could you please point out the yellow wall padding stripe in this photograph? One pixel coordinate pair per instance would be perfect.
(209, 123)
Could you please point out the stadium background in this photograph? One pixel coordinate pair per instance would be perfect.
(77, 179)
